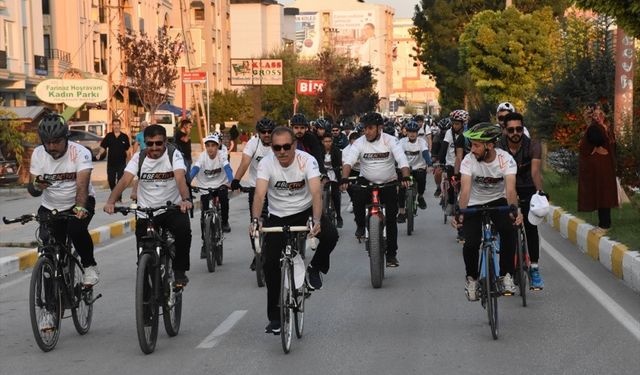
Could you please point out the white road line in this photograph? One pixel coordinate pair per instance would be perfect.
(617, 311)
(221, 330)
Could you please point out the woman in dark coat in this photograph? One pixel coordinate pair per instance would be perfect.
(597, 188)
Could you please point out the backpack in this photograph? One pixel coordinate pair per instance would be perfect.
(143, 155)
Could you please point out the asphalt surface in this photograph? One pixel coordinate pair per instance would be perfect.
(419, 322)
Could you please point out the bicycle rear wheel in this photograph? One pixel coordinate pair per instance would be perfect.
(146, 305)
(172, 305)
(375, 248)
(491, 284)
(286, 305)
(81, 311)
(522, 272)
(410, 208)
(209, 243)
(45, 304)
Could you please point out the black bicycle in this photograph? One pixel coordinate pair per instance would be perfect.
(155, 280)
(489, 265)
(327, 204)
(293, 290)
(213, 234)
(56, 284)
(522, 264)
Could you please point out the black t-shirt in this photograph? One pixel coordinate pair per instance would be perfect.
(117, 148)
(184, 147)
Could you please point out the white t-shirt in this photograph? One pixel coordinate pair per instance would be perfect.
(413, 151)
(329, 167)
(211, 173)
(451, 151)
(377, 159)
(488, 179)
(288, 192)
(424, 131)
(257, 151)
(348, 149)
(157, 182)
(62, 173)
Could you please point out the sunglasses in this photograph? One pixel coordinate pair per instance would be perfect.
(153, 143)
(517, 129)
(286, 147)
(265, 131)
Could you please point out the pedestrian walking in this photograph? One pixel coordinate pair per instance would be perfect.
(138, 140)
(116, 144)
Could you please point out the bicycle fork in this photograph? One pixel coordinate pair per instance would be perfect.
(375, 209)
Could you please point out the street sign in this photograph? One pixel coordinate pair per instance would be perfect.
(194, 77)
(309, 86)
(73, 92)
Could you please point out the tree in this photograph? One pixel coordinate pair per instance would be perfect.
(508, 54)
(626, 13)
(13, 136)
(151, 64)
(230, 104)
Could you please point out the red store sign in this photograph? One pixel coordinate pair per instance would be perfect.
(309, 86)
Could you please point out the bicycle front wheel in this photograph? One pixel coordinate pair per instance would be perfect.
(522, 272)
(45, 304)
(82, 312)
(299, 296)
(411, 209)
(219, 253)
(146, 305)
(376, 254)
(491, 284)
(286, 305)
(209, 243)
(172, 305)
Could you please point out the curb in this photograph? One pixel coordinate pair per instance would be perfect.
(614, 256)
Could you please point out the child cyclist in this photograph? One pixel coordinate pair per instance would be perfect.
(212, 170)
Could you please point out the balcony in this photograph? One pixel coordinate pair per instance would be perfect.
(58, 54)
(59, 61)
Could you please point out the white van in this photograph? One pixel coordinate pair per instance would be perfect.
(164, 118)
(98, 128)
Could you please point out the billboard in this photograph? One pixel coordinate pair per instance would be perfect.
(309, 86)
(249, 72)
(307, 41)
(359, 36)
(73, 92)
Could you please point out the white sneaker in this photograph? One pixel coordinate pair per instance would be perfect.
(509, 288)
(350, 208)
(46, 322)
(471, 289)
(91, 276)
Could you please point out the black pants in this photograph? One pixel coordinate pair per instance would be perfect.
(350, 188)
(451, 193)
(180, 226)
(76, 229)
(389, 198)
(472, 231)
(114, 174)
(335, 196)
(420, 177)
(275, 242)
(265, 209)
(533, 241)
(604, 218)
(205, 199)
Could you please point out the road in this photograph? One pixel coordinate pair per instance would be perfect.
(419, 322)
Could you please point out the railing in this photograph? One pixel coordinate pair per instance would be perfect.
(57, 54)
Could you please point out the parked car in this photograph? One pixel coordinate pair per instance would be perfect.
(88, 140)
(8, 171)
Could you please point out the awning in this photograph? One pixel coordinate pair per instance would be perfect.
(173, 109)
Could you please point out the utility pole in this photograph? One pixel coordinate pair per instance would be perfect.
(123, 88)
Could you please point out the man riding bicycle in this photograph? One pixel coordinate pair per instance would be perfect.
(488, 179)
(161, 178)
(291, 180)
(61, 172)
(377, 153)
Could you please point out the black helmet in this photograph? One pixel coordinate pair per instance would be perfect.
(324, 124)
(418, 118)
(348, 125)
(53, 126)
(299, 119)
(444, 123)
(265, 124)
(390, 128)
(372, 118)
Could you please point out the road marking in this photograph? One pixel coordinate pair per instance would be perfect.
(221, 330)
(617, 311)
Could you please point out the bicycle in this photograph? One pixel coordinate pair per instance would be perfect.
(522, 264)
(155, 282)
(327, 204)
(213, 235)
(292, 300)
(56, 284)
(411, 206)
(257, 250)
(489, 267)
(375, 231)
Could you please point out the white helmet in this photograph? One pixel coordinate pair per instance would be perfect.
(505, 106)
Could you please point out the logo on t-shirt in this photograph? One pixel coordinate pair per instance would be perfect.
(258, 158)
(157, 176)
(412, 153)
(284, 185)
(488, 180)
(375, 155)
(70, 176)
(212, 172)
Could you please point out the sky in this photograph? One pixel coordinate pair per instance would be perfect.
(404, 8)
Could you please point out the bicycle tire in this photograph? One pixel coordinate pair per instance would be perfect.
(81, 311)
(375, 248)
(491, 283)
(209, 243)
(521, 267)
(286, 310)
(43, 284)
(299, 296)
(146, 305)
(171, 315)
(219, 253)
(410, 210)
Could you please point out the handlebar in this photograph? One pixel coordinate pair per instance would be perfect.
(282, 229)
(53, 215)
(134, 208)
(484, 209)
(197, 189)
(246, 189)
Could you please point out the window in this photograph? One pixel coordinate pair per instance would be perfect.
(45, 7)
(8, 38)
(198, 10)
(47, 44)
(25, 44)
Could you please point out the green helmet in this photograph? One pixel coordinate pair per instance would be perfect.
(484, 132)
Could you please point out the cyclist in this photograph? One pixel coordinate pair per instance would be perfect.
(339, 138)
(212, 170)
(527, 153)
(291, 180)
(161, 177)
(61, 172)
(438, 136)
(255, 150)
(502, 111)
(419, 158)
(377, 153)
(425, 128)
(322, 127)
(306, 141)
(488, 179)
(333, 165)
